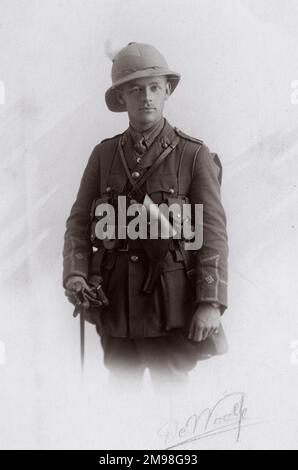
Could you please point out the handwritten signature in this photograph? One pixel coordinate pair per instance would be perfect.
(226, 415)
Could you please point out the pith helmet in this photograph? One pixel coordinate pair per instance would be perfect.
(137, 60)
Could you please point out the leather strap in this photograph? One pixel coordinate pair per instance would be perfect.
(136, 184)
(131, 180)
(158, 161)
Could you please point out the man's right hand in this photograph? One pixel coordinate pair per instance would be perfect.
(80, 293)
(75, 286)
(76, 283)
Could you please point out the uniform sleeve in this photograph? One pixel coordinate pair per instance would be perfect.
(211, 259)
(77, 247)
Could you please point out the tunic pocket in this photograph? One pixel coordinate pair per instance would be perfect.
(162, 183)
(117, 182)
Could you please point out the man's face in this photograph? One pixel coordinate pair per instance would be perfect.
(144, 99)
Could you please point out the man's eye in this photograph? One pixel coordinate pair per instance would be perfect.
(134, 90)
(154, 87)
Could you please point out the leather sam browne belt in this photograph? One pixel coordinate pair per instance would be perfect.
(155, 249)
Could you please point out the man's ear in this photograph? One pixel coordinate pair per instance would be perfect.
(119, 96)
(168, 89)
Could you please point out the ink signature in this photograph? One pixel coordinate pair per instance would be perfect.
(228, 414)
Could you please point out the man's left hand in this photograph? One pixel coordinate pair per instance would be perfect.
(205, 322)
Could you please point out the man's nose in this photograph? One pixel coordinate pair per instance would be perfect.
(147, 96)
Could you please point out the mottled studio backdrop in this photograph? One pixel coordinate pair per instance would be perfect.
(238, 61)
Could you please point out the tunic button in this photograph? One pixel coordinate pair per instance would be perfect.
(171, 190)
(108, 189)
(139, 159)
(134, 258)
(135, 175)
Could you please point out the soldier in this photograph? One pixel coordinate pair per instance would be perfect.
(155, 304)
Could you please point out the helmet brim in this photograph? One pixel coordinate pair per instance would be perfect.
(111, 94)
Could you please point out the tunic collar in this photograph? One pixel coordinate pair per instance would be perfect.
(149, 134)
(164, 138)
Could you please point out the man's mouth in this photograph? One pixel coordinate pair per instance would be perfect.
(146, 109)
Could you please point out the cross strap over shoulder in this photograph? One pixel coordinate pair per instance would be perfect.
(137, 183)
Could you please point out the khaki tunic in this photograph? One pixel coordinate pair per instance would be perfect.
(190, 170)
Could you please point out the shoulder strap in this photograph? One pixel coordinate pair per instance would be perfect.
(187, 137)
(111, 138)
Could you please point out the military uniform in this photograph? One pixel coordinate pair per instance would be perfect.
(189, 173)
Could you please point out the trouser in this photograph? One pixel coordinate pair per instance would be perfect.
(168, 358)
